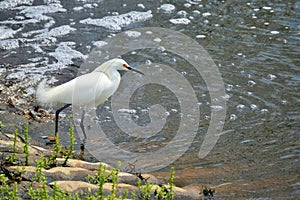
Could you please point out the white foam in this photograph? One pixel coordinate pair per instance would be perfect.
(206, 14)
(99, 43)
(200, 36)
(274, 32)
(6, 33)
(8, 4)
(57, 31)
(9, 44)
(37, 12)
(116, 23)
(64, 54)
(180, 21)
(133, 33)
(141, 5)
(167, 8)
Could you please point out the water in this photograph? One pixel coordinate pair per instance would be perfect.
(255, 45)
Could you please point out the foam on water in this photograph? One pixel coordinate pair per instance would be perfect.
(184, 21)
(117, 22)
(8, 4)
(167, 8)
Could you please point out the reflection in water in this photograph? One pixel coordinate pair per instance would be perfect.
(255, 44)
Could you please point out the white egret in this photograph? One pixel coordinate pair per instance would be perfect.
(91, 89)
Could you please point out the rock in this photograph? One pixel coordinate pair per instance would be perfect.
(82, 164)
(75, 186)
(84, 187)
(68, 173)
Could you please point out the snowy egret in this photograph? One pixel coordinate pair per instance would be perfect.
(89, 89)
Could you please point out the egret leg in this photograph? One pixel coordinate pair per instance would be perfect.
(83, 130)
(56, 117)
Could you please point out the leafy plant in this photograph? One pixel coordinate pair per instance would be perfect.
(26, 149)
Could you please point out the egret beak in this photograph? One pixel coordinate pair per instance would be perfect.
(137, 71)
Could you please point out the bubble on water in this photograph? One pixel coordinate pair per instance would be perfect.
(106, 107)
(206, 117)
(174, 110)
(157, 39)
(267, 7)
(133, 33)
(217, 108)
(148, 62)
(144, 111)
(182, 13)
(167, 8)
(183, 73)
(167, 113)
(206, 14)
(240, 107)
(274, 32)
(135, 116)
(187, 5)
(267, 23)
(253, 107)
(196, 12)
(184, 21)
(233, 117)
(229, 87)
(283, 102)
(141, 5)
(200, 36)
(251, 83)
(227, 97)
(271, 76)
(88, 5)
(264, 111)
(128, 111)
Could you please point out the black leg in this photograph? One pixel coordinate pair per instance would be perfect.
(57, 116)
(83, 130)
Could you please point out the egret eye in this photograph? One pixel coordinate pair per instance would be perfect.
(124, 65)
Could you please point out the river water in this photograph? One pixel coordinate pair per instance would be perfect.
(254, 44)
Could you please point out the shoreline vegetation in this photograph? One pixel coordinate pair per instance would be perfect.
(33, 172)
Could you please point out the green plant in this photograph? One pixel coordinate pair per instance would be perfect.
(100, 178)
(171, 184)
(133, 195)
(39, 166)
(26, 149)
(145, 190)
(5, 190)
(71, 147)
(12, 159)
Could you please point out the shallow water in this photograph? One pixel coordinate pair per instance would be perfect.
(255, 45)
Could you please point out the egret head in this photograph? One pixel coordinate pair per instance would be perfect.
(118, 64)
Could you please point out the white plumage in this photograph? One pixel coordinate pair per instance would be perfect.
(89, 89)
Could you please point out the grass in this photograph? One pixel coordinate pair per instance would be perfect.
(39, 188)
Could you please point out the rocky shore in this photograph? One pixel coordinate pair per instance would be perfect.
(75, 177)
